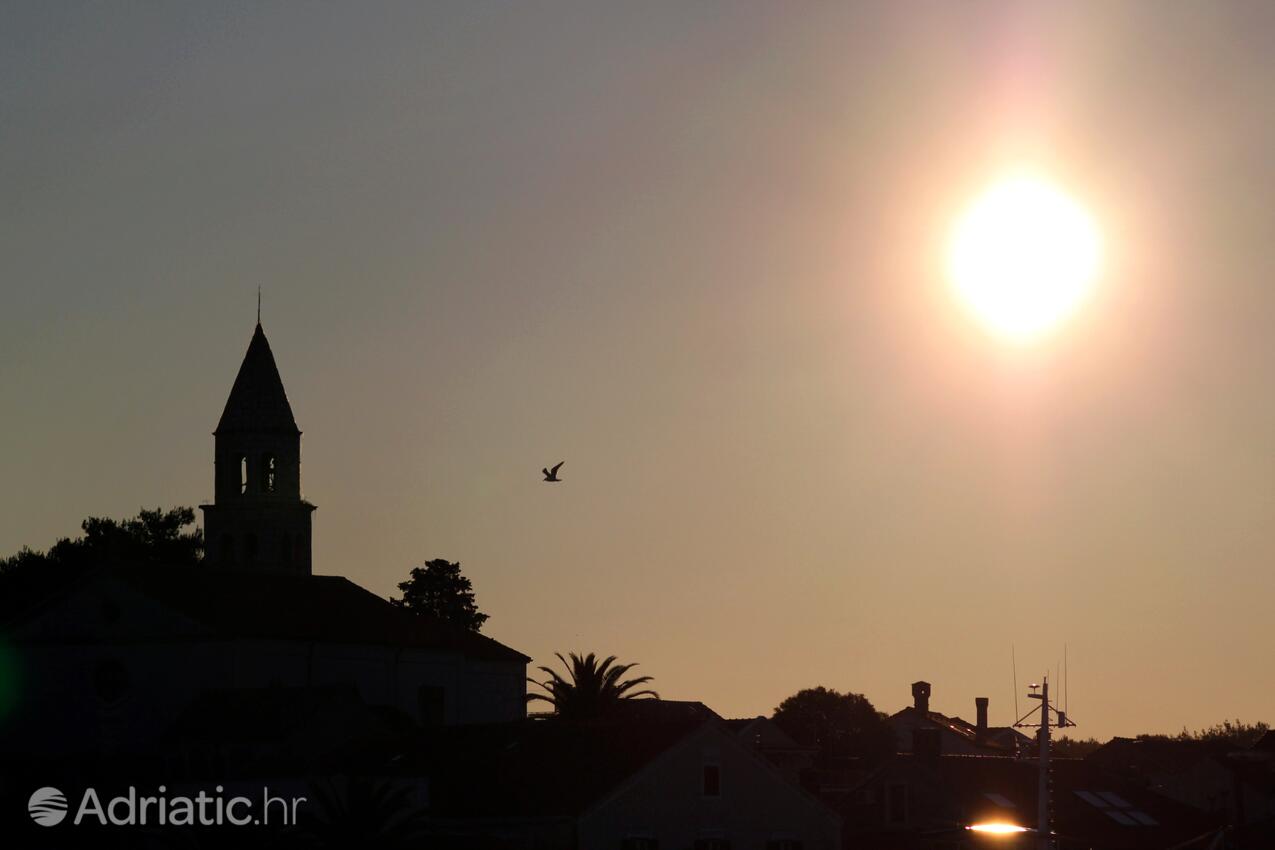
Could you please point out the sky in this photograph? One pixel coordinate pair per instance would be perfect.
(696, 251)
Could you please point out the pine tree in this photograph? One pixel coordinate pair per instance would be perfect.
(438, 589)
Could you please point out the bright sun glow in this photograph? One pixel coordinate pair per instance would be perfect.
(1024, 257)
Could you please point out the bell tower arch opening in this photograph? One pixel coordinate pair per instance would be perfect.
(268, 479)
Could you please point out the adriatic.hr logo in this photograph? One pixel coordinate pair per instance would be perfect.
(48, 807)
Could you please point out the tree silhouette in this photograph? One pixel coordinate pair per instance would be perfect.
(152, 537)
(438, 589)
(1073, 748)
(593, 690)
(838, 724)
(1230, 733)
(361, 812)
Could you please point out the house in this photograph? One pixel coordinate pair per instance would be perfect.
(925, 802)
(115, 658)
(765, 737)
(621, 784)
(1235, 784)
(957, 735)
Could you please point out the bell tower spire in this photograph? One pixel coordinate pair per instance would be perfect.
(258, 520)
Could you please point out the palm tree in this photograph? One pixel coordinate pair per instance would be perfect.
(361, 812)
(594, 688)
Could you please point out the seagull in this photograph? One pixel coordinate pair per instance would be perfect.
(552, 474)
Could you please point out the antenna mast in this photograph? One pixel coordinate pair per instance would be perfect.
(1044, 802)
(1013, 662)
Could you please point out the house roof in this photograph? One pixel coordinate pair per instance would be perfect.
(240, 604)
(971, 789)
(998, 738)
(664, 710)
(1154, 755)
(762, 732)
(257, 401)
(541, 768)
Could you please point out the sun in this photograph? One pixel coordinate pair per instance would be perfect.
(1024, 257)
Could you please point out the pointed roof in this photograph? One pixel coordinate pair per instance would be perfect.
(258, 401)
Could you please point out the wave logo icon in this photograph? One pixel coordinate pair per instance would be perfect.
(47, 807)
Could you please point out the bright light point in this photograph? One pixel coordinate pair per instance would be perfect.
(997, 828)
(1024, 257)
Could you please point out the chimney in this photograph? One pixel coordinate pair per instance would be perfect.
(921, 696)
(927, 743)
(980, 707)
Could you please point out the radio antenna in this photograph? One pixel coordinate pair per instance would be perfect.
(1013, 663)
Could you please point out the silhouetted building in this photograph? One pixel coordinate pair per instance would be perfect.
(1212, 776)
(111, 661)
(238, 733)
(626, 785)
(763, 736)
(258, 520)
(924, 802)
(124, 652)
(953, 735)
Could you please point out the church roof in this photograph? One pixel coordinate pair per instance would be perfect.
(257, 400)
(231, 605)
(322, 608)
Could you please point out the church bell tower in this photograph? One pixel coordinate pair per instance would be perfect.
(258, 520)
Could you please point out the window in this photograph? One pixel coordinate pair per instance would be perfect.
(897, 803)
(431, 701)
(1117, 808)
(712, 780)
(227, 549)
(285, 549)
(268, 474)
(1115, 800)
(250, 548)
(243, 474)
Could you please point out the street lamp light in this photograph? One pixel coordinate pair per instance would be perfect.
(998, 828)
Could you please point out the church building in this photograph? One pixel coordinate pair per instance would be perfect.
(126, 653)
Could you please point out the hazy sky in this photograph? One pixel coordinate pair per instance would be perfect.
(695, 250)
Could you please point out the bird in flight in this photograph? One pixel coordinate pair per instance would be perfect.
(552, 474)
